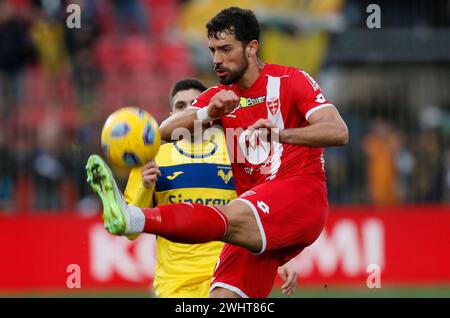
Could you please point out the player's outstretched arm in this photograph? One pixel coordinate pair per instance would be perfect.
(184, 119)
(221, 103)
(327, 128)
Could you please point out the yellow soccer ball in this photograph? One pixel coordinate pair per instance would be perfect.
(130, 138)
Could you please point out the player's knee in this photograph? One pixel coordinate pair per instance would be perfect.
(240, 217)
(243, 228)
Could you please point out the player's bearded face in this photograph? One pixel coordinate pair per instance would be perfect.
(230, 60)
(229, 75)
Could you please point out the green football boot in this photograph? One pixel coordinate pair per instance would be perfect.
(101, 180)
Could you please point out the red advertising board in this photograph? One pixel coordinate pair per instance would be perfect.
(406, 244)
(38, 249)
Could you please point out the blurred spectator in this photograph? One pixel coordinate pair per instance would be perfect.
(16, 51)
(336, 162)
(47, 34)
(428, 168)
(49, 166)
(355, 167)
(87, 142)
(7, 172)
(80, 46)
(381, 146)
(405, 166)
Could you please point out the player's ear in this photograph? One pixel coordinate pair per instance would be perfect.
(252, 48)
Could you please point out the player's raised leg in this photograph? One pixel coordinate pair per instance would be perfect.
(179, 222)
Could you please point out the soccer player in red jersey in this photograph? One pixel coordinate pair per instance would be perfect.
(277, 122)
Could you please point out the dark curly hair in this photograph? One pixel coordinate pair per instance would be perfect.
(240, 22)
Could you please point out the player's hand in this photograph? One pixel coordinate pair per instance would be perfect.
(289, 276)
(150, 173)
(266, 129)
(224, 102)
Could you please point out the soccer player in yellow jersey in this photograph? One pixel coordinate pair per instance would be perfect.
(189, 171)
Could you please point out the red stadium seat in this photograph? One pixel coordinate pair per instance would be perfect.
(163, 15)
(175, 59)
(137, 54)
(105, 53)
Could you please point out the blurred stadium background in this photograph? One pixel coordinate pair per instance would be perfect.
(389, 188)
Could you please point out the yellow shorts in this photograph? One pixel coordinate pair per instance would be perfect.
(200, 290)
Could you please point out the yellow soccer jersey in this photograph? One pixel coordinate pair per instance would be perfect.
(196, 173)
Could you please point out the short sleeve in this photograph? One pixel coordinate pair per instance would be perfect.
(307, 94)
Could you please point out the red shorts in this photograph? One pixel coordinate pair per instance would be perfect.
(291, 214)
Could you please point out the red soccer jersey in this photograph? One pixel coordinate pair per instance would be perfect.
(285, 95)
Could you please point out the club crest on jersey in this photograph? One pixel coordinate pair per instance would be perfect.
(273, 105)
(226, 177)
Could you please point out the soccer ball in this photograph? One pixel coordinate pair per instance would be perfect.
(130, 138)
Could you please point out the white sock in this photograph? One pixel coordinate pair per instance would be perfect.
(136, 220)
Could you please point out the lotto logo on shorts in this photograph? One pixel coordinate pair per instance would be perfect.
(263, 206)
